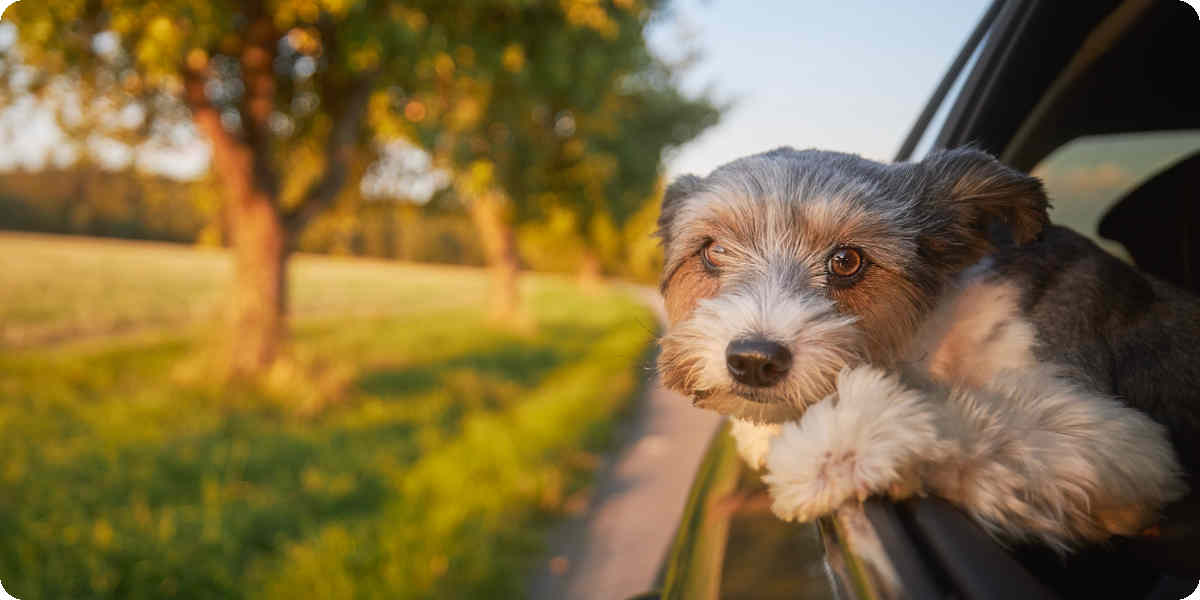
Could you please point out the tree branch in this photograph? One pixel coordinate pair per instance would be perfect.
(228, 155)
(339, 151)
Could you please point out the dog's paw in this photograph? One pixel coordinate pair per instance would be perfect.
(872, 437)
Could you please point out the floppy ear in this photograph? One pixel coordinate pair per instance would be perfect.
(673, 199)
(986, 198)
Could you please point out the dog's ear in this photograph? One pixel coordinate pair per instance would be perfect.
(673, 199)
(985, 197)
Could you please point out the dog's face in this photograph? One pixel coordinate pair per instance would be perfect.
(783, 268)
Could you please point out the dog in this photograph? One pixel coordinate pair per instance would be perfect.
(922, 328)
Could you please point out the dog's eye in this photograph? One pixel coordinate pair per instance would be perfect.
(845, 262)
(713, 255)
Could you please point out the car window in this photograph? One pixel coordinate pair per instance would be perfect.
(1086, 177)
(768, 559)
(925, 144)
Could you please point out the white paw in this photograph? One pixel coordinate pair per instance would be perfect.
(871, 437)
(753, 441)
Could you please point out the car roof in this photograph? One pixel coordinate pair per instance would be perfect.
(1049, 72)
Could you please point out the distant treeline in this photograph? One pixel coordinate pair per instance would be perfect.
(87, 200)
(125, 204)
(92, 201)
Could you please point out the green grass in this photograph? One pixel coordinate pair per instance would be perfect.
(440, 447)
(59, 288)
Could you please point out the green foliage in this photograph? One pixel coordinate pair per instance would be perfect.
(433, 472)
(160, 42)
(561, 104)
(632, 252)
(562, 99)
(388, 230)
(288, 80)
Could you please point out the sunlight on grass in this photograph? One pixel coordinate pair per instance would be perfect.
(450, 448)
(61, 288)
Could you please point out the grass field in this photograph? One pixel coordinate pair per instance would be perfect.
(60, 288)
(433, 449)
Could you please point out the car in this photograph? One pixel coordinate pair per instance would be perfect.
(1101, 99)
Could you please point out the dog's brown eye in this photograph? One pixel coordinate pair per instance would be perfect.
(713, 255)
(845, 262)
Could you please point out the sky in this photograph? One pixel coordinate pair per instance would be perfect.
(847, 75)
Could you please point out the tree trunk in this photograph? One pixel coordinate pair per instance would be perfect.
(259, 311)
(258, 234)
(261, 233)
(259, 243)
(590, 270)
(500, 247)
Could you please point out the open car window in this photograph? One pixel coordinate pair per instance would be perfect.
(1100, 101)
(1087, 178)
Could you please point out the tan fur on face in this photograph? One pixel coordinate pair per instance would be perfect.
(821, 340)
(774, 269)
(889, 308)
(773, 280)
(690, 284)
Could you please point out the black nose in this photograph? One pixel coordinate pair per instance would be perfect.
(757, 362)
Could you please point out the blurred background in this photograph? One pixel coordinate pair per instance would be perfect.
(340, 298)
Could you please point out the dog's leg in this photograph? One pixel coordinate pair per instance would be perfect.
(1031, 456)
(1041, 457)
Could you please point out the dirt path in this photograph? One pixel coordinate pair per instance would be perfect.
(614, 549)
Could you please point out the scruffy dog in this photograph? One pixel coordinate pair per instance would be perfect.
(921, 328)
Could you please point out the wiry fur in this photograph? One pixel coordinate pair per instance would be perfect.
(1039, 456)
(921, 376)
(1031, 455)
(875, 434)
(976, 332)
(753, 441)
(820, 339)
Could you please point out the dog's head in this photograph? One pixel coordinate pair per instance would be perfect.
(785, 267)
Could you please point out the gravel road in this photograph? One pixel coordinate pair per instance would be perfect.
(614, 548)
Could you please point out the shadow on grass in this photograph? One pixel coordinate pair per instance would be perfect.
(189, 515)
(524, 364)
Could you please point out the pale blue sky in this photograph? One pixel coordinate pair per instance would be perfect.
(847, 75)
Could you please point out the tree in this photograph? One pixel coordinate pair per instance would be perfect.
(267, 83)
(650, 117)
(523, 100)
(557, 104)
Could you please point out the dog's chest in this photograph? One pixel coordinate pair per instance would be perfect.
(973, 334)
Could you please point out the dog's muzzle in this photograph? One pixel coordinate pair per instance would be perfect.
(760, 352)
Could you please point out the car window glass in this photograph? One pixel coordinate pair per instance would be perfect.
(925, 144)
(1087, 176)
